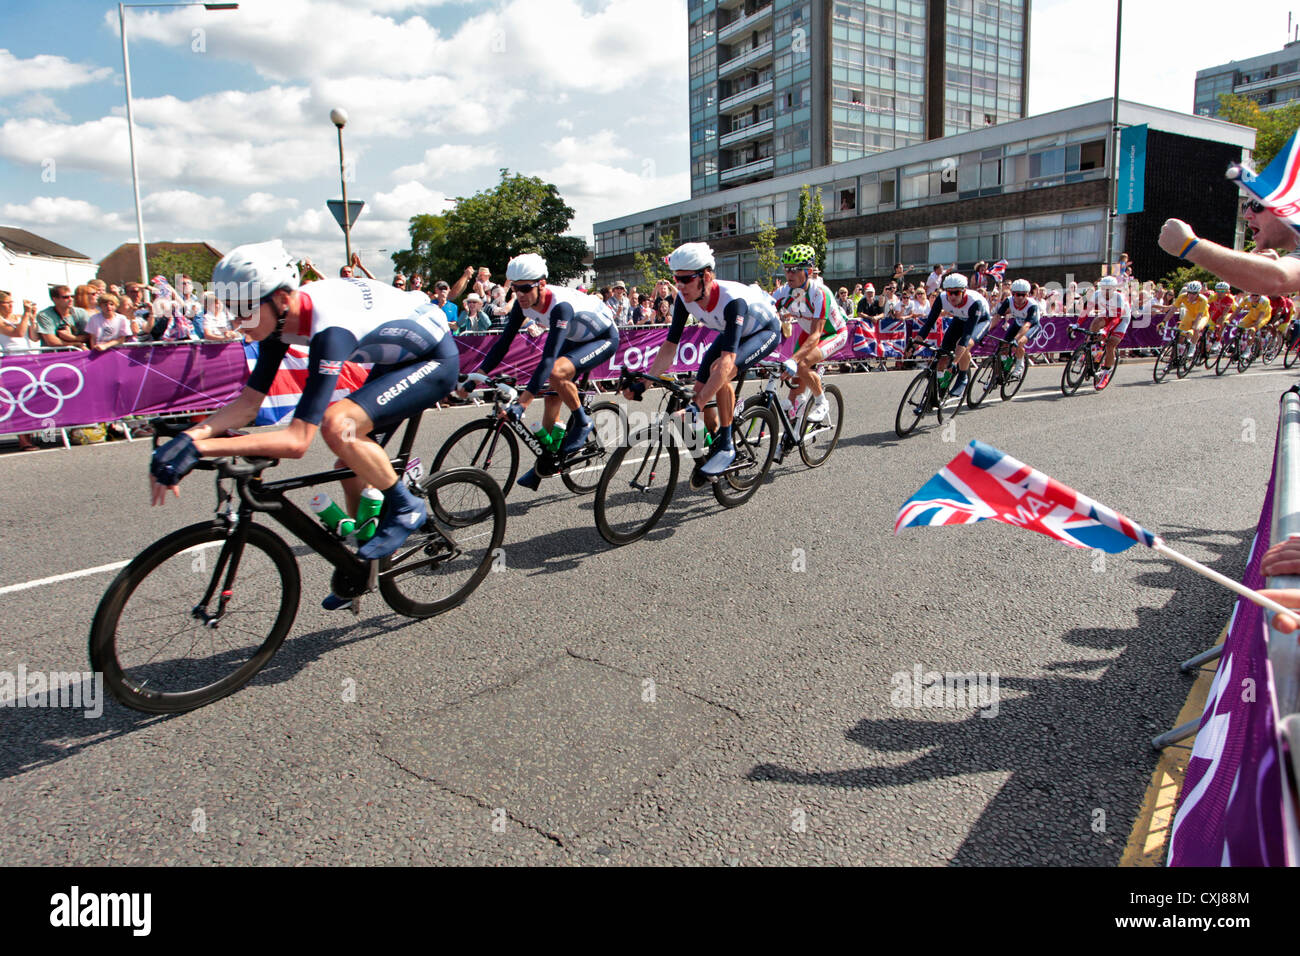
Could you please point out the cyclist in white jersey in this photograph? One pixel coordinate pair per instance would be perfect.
(359, 320)
(1023, 315)
(582, 334)
(970, 323)
(823, 330)
(1111, 309)
(748, 330)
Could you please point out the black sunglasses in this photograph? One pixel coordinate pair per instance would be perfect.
(689, 277)
(1254, 205)
(525, 287)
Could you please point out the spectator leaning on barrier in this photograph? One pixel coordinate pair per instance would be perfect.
(17, 334)
(663, 313)
(62, 324)
(106, 328)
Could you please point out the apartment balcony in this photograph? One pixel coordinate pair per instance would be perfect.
(756, 168)
(760, 54)
(741, 24)
(752, 131)
(754, 94)
(1267, 83)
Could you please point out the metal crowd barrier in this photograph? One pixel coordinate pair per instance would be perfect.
(1284, 649)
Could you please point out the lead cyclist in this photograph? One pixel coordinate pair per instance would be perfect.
(355, 320)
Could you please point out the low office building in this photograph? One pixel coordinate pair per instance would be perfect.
(1032, 191)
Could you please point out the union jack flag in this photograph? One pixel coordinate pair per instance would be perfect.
(891, 337)
(999, 269)
(1278, 186)
(983, 483)
(935, 338)
(287, 386)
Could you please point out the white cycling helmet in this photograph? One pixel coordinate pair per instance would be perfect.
(1193, 287)
(526, 268)
(1222, 287)
(691, 257)
(1020, 285)
(1108, 282)
(249, 274)
(954, 280)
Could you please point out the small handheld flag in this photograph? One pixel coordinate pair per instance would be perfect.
(982, 483)
(1278, 186)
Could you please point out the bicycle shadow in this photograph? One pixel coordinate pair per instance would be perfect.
(1046, 736)
(38, 733)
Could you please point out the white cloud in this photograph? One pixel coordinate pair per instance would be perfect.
(564, 124)
(597, 148)
(62, 211)
(261, 204)
(599, 191)
(45, 72)
(407, 200)
(181, 207)
(447, 160)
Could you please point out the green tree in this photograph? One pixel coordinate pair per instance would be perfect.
(652, 267)
(172, 263)
(1273, 127)
(810, 223)
(1184, 274)
(768, 260)
(520, 214)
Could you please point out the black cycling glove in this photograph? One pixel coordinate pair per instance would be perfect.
(174, 460)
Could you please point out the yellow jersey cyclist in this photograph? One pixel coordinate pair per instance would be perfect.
(821, 329)
(744, 316)
(1258, 312)
(581, 335)
(1195, 307)
(405, 336)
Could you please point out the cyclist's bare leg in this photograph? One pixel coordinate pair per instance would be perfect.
(807, 362)
(346, 430)
(1112, 346)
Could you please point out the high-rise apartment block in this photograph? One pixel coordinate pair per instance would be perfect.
(778, 86)
(1271, 80)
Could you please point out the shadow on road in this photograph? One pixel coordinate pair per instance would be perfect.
(1060, 737)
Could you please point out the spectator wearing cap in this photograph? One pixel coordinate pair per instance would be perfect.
(440, 294)
(483, 283)
(472, 318)
(62, 325)
(868, 306)
(618, 303)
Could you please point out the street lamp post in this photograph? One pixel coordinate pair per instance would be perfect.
(339, 118)
(1112, 185)
(130, 122)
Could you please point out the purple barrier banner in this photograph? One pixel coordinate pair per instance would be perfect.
(1230, 807)
(62, 389)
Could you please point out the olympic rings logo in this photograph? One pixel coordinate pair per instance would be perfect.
(34, 385)
(1045, 334)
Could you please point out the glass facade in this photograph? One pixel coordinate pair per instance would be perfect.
(1272, 80)
(984, 61)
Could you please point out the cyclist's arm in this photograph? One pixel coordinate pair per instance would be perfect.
(560, 318)
(1255, 272)
(668, 354)
(502, 344)
(932, 318)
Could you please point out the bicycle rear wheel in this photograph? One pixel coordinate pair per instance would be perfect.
(756, 433)
(1292, 354)
(1227, 355)
(914, 405)
(1271, 349)
(818, 439)
(609, 428)
(983, 381)
(160, 636)
(1076, 370)
(441, 564)
(485, 444)
(636, 485)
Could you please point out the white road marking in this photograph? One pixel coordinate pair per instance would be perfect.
(85, 572)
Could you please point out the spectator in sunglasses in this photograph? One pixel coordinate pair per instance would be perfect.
(1272, 269)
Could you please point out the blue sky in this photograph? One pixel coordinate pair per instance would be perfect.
(232, 108)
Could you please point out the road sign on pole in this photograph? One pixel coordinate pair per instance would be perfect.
(354, 210)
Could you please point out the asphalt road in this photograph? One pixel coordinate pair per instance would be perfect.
(726, 691)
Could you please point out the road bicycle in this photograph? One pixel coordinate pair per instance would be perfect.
(1271, 344)
(492, 443)
(815, 440)
(199, 612)
(1292, 350)
(929, 391)
(1179, 357)
(1231, 351)
(997, 370)
(1085, 361)
(640, 476)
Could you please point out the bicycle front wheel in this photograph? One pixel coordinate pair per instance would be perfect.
(818, 439)
(1227, 355)
(1168, 355)
(636, 486)
(485, 444)
(609, 428)
(915, 403)
(441, 564)
(1076, 369)
(756, 433)
(1012, 380)
(194, 617)
(1292, 354)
